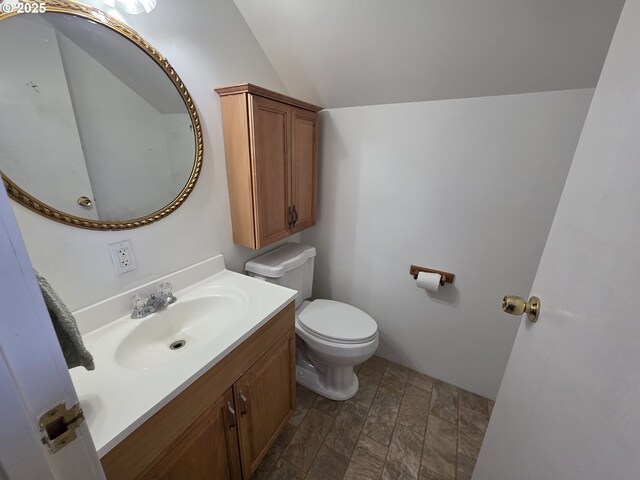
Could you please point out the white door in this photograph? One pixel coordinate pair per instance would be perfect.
(569, 404)
(33, 373)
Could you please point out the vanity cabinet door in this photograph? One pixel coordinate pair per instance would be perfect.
(207, 450)
(303, 167)
(270, 133)
(265, 398)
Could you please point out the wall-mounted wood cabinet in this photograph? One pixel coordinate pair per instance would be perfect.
(271, 155)
(223, 424)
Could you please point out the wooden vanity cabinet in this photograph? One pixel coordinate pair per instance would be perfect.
(222, 425)
(271, 156)
(206, 450)
(263, 397)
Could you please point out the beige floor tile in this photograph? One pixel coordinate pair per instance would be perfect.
(474, 402)
(344, 432)
(403, 460)
(439, 453)
(414, 409)
(402, 425)
(471, 429)
(394, 379)
(298, 415)
(369, 379)
(367, 461)
(382, 418)
(328, 465)
(376, 449)
(426, 474)
(328, 407)
(387, 390)
(376, 363)
(306, 442)
(444, 401)
(366, 393)
(285, 471)
(272, 456)
(305, 397)
(420, 380)
(465, 466)
(304, 401)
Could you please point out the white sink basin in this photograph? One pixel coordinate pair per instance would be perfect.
(181, 328)
(137, 373)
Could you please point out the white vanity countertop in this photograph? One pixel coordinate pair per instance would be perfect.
(117, 399)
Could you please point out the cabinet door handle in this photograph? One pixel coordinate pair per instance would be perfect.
(232, 415)
(295, 216)
(290, 217)
(243, 399)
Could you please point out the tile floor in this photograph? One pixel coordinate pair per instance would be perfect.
(400, 425)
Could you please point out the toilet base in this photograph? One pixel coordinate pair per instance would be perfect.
(308, 378)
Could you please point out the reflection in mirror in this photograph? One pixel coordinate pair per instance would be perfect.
(91, 125)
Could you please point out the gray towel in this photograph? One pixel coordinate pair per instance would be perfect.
(75, 353)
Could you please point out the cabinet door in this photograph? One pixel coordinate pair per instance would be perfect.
(207, 450)
(303, 167)
(270, 124)
(265, 398)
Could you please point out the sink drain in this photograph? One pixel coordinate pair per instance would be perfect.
(177, 345)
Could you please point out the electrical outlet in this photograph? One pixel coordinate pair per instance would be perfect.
(122, 256)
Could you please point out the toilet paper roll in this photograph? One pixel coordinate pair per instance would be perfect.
(428, 281)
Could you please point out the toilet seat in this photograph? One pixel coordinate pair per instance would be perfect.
(337, 322)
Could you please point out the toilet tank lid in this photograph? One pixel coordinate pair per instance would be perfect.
(279, 261)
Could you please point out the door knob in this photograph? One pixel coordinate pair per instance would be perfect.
(84, 201)
(515, 305)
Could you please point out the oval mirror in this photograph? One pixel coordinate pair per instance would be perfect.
(97, 130)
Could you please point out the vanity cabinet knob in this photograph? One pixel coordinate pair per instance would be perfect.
(290, 217)
(295, 216)
(232, 415)
(243, 399)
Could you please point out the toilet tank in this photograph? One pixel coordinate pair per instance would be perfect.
(290, 265)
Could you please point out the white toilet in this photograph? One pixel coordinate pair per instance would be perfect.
(332, 337)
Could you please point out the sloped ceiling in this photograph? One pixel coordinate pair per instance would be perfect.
(340, 53)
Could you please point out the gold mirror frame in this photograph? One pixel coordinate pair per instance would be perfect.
(96, 15)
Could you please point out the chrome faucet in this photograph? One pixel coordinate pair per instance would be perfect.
(144, 306)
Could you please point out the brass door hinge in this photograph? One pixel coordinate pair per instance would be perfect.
(58, 426)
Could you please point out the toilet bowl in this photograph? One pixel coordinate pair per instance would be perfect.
(331, 337)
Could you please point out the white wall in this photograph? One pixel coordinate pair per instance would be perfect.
(209, 45)
(38, 121)
(179, 138)
(468, 186)
(123, 137)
